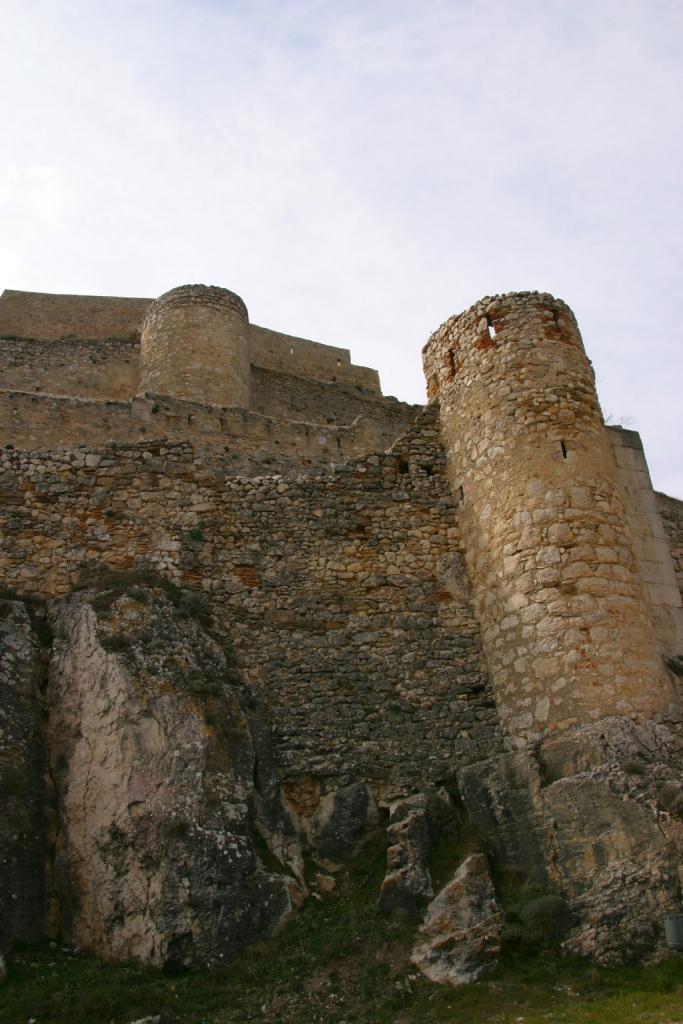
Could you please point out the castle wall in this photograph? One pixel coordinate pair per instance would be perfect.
(110, 370)
(53, 317)
(343, 593)
(283, 396)
(566, 628)
(650, 540)
(30, 422)
(80, 369)
(276, 351)
(671, 513)
(50, 318)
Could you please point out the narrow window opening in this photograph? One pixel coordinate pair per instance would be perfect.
(291, 350)
(564, 449)
(429, 470)
(189, 419)
(461, 495)
(403, 466)
(339, 362)
(449, 364)
(491, 327)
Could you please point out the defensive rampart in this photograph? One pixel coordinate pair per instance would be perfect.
(294, 610)
(342, 592)
(49, 318)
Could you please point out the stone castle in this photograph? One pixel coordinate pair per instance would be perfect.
(252, 604)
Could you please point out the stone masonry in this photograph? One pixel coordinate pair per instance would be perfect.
(567, 629)
(229, 565)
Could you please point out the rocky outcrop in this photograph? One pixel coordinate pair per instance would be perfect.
(154, 763)
(407, 885)
(342, 822)
(459, 940)
(178, 842)
(612, 799)
(595, 815)
(24, 791)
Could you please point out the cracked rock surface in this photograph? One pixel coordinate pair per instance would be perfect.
(459, 940)
(154, 765)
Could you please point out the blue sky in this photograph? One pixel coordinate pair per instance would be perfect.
(360, 171)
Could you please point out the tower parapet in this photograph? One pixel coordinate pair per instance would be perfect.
(566, 630)
(194, 345)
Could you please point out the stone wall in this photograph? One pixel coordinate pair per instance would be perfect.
(276, 351)
(342, 593)
(194, 347)
(77, 369)
(285, 396)
(566, 628)
(30, 421)
(44, 317)
(110, 370)
(650, 540)
(671, 512)
(54, 317)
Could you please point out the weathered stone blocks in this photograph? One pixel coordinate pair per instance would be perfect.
(532, 462)
(194, 346)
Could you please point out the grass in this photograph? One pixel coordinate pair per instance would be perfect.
(338, 962)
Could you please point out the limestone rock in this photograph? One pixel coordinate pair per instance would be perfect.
(460, 938)
(343, 822)
(500, 795)
(23, 788)
(615, 835)
(407, 885)
(154, 765)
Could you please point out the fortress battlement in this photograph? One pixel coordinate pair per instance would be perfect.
(93, 369)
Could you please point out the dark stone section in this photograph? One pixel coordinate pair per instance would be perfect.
(24, 792)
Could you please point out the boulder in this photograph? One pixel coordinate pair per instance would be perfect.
(154, 765)
(459, 940)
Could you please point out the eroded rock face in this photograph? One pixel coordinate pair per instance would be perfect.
(24, 794)
(407, 885)
(595, 815)
(615, 834)
(342, 823)
(460, 938)
(154, 764)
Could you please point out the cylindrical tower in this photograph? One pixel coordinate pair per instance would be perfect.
(565, 627)
(194, 346)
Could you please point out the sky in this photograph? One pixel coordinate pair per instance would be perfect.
(360, 171)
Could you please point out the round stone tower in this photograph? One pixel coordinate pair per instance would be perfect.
(194, 346)
(566, 630)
